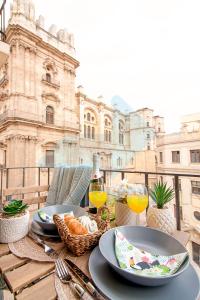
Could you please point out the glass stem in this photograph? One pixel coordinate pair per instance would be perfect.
(137, 219)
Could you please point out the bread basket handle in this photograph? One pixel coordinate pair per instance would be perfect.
(61, 226)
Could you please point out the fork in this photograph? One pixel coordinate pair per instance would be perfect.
(65, 277)
(3, 284)
(48, 250)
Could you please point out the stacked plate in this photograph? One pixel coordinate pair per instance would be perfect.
(48, 229)
(117, 283)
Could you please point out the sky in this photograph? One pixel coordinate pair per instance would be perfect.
(145, 51)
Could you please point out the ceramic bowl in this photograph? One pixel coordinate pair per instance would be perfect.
(57, 209)
(151, 240)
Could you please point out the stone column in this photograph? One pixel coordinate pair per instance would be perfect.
(32, 72)
(27, 70)
(13, 67)
(82, 108)
(116, 128)
(101, 124)
(22, 74)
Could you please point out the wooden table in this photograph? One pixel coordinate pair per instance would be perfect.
(30, 280)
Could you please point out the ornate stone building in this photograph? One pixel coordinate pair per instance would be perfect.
(39, 113)
(44, 121)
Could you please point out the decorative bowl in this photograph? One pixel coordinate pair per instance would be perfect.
(148, 239)
(57, 209)
(14, 229)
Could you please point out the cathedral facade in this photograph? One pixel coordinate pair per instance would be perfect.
(45, 121)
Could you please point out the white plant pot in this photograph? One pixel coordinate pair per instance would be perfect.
(14, 229)
(123, 215)
(161, 218)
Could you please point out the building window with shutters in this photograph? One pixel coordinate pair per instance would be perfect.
(195, 187)
(176, 156)
(119, 162)
(49, 115)
(50, 158)
(195, 156)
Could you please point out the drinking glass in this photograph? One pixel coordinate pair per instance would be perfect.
(97, 195)
(137, 199)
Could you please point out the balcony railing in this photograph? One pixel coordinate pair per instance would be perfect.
(2, 22)
(10, 115)
(50, 81)
(42, 176)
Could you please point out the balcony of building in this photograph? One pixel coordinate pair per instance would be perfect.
(4, 47)
(40, 119)
(14, 178)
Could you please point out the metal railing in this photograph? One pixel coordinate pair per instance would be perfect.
(16, 114)
(46, 173)
(2, 22)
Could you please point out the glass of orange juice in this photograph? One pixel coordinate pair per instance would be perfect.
(97, 195)
(137, 199)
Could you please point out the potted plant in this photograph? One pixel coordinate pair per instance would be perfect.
(160, 215)
(14, 221)
(123, 214)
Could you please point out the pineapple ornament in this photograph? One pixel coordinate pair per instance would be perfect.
(160, 215)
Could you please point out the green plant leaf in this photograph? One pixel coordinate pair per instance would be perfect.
(161, 194)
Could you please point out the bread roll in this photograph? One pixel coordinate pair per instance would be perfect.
(67, 218)
(75, 227)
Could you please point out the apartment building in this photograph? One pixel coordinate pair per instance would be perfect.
(180, 153)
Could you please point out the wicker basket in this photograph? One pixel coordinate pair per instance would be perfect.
(79, 244)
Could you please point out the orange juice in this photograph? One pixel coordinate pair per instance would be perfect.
(98, 198)
(137, 203)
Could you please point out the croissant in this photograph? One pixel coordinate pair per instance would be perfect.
(67, 218)
(75, 227)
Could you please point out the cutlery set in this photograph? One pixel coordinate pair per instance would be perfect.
(62, 271)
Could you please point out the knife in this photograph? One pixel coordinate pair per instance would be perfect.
(84, 279)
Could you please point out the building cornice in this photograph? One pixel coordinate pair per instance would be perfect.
(18, 30)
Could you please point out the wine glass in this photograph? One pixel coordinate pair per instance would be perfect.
(97, 195)
(137, 199)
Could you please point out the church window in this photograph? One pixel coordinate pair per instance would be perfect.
(107, 129)
(49, 115)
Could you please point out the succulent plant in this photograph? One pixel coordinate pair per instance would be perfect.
(161, 194)
(14, 207)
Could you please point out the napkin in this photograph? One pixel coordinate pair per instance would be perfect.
(141, 262)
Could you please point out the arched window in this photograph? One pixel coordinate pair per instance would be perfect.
(121, 132)
(93, 133)
(49, 115)
(89, 124)
(148, 147)
(109, 137)
(88, 116)
(48, 77)
(85, 131)
(107, 129)
(88, 132)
